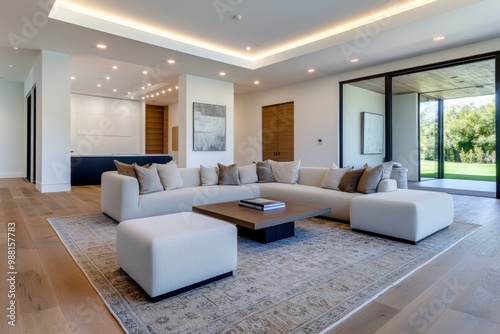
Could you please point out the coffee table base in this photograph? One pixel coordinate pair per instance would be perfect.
(269, 234)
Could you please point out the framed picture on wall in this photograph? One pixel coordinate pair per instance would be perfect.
(209, 127)
(372, 133)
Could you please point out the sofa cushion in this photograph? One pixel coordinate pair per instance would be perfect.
(248, 174)
(286, 172)
(169, 175)
(228, 175)
(370, 179)
(333, 177)
(149, 181)
(125, 169)
(208, 176)
(349, 182)
(264, 172)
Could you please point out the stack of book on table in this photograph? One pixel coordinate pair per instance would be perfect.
(262, 203)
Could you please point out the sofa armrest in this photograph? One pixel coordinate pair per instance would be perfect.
(119, 196)
(387, 185)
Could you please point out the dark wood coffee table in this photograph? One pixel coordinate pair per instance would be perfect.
(262, 226)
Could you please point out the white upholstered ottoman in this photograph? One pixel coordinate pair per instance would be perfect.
(409, 215)
(170, 254)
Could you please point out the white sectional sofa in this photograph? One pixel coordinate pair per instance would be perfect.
(121, 198)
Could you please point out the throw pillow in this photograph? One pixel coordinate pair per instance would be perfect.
(125, 169)
(169, 175)
(286, 172)
(228, 175)
(248, 174)
(349, 182)
(386, 170)
(149, 181)
(264, 173)
(370, 179)
(333, 177)
(208, 176)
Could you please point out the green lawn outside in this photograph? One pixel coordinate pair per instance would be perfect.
(459, 170)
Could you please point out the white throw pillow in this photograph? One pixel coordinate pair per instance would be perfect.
(169, 175)
(208, 175)
(248, 174)
(286, 172)
(333, 177)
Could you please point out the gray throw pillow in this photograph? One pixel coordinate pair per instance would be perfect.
(149, 181)
(370, 179)
(349, 182)
(264, 173)
(228, 175)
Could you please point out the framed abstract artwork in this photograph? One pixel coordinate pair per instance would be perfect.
(209, 127)
(372, 133)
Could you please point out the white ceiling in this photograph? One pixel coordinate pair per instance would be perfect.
(206, 37)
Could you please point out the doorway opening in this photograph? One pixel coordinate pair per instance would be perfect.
(31, 136)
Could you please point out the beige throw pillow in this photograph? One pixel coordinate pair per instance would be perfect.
(286, 172)
(208, 176)
(248, 174)
(149, 181)
(333, 177)
(169, 175)
(228, 175)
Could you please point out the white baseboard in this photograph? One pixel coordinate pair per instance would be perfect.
(11, 175)
(53, 188)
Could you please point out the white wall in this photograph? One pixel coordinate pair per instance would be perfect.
(196, 89)
(51, 73)
(317, 107)
(106, 126)
(315, 103)
(405, 148)
(356, 101)
(12, 130)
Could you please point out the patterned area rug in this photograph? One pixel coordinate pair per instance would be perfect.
(298, 285)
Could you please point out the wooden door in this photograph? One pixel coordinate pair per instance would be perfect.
(278, 132)
(156, 134)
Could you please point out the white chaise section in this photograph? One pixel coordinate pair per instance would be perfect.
(167, 254)
(409, 215)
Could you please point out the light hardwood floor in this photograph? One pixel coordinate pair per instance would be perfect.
(458, 292)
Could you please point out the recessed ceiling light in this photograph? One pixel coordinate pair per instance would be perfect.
(438, 38)
(114, 90)
(11, 66)
(310, 70)
(170, 89)
(222, 74)
(163, 92)
(144, 72)
(114, 67)
(98, 85)
(142, 87)
(176, 87)
(143, 97)
(149, 84)
(107, 78)
(73, 78)
(157, 94)
(171, 61)
(355, 60)
(256, 82)
(101, 46)
(132, 97)
(248, 48)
